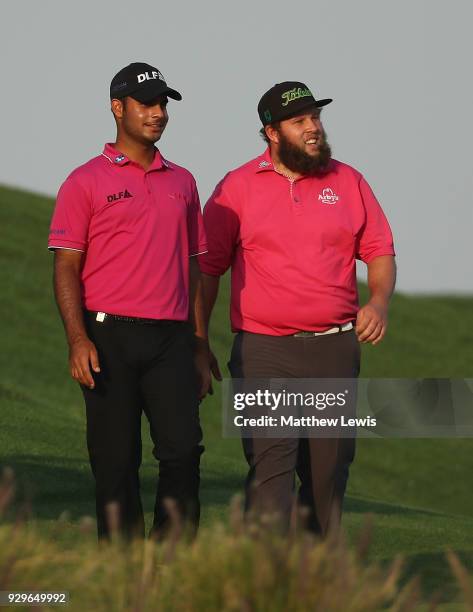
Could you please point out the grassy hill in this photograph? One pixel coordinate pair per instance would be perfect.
(418, 491)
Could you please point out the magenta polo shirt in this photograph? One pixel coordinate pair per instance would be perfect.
(292, 245)
(137, 230)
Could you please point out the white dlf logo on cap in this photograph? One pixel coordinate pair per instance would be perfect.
(147, 76)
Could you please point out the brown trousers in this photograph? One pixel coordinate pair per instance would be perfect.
(322, 464)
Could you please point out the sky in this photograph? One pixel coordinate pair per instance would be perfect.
(399, 73)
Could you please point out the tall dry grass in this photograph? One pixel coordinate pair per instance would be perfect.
(239, 568)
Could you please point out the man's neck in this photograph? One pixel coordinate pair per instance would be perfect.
(139, 153)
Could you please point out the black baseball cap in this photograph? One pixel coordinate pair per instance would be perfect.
(285, 100)
(142, 82)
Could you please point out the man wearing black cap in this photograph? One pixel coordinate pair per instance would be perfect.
(126, 231)
(291, 224)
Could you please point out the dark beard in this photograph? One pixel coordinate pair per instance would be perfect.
(297, 160)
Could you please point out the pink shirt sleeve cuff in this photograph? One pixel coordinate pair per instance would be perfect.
(66, 244)
(386, 251)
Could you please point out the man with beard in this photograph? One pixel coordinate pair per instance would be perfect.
(126, 231)
(290, 224)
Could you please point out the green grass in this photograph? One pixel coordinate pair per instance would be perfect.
(418, 491)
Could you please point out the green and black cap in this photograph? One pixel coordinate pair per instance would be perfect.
(285, 100)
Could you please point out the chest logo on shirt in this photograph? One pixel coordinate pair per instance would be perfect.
(114, 197)
(328, 196)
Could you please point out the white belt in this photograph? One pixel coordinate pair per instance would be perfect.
(332, 330)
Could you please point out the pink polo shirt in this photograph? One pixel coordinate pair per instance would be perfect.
(292, 245)
(137, 230)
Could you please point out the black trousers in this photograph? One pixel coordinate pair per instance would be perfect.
(322, 464)
(146, 368)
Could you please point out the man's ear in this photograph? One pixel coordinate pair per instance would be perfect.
(117, 107)
(272, 133)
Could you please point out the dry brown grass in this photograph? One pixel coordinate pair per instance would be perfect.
(239, 568)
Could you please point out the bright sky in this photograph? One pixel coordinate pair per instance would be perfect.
(399, 73)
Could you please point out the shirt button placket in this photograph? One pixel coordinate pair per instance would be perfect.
(148, 190)
(296, 198)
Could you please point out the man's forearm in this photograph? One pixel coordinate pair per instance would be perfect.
(381, 279)
(210, 293)
(67, 292)
(196, 302)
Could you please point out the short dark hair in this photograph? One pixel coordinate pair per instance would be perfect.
(262, 131)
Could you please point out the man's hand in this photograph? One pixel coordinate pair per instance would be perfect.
(82, 357)
(371, 322)
(210, 286)
(214, 368)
